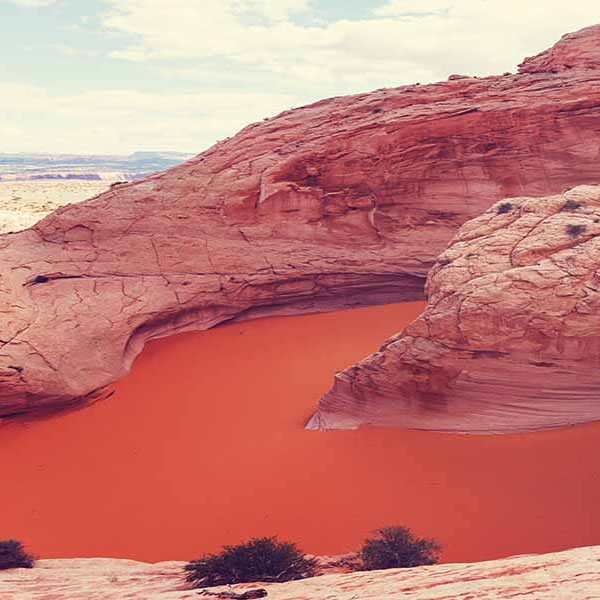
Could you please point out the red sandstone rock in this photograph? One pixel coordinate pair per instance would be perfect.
(510, 338)
(580, 50)
(572, 575)
(344, 202)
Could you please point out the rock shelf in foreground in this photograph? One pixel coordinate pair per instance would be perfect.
(573, 574)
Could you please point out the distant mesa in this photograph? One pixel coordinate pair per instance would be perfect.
(23, 166)
(83, 176)
(345, 202)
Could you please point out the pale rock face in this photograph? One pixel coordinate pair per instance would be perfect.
(342, 203)
(510, 338)
(572, 575)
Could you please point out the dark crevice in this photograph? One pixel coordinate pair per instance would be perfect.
(50, 277)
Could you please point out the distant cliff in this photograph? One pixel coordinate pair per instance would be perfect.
(74, 166)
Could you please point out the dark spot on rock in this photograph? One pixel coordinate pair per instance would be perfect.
(574, 231)
(444, 261)
(40, 279)
(571, 205)
(541, 363)
(438, 214)
(487, 354)
(504, 208)
(12, 414)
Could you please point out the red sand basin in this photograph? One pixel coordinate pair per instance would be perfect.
(203, 445)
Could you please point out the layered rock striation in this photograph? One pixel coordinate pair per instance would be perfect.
(573, 574)
(344, 202)
(510, 338)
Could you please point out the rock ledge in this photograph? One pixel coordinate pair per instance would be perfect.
(573, 574)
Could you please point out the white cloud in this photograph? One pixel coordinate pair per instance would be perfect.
(122, 121)
(74, 52)
(272, 10)
(404, 8)
(402, 40)
(274, 54)
(32, 2)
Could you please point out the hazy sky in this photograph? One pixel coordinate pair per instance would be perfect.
(114, 76)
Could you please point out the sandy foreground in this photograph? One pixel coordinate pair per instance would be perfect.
(203, 445)
(24, 203)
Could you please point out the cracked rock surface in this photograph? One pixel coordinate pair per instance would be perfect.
(573, 575)
(510, 338)
(344, 202)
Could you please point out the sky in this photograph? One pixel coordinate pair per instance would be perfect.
(117, 76)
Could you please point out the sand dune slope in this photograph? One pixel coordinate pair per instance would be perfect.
(203, 444)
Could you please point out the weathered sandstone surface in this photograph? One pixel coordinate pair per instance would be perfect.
(573, 574)
(344, 202)
(510, 338)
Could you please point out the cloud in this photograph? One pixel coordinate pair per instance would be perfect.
(242, 60)
(271, 10)
(412, 8)
(402, 41)
(74, 52)
(32, 2)
(125, 120)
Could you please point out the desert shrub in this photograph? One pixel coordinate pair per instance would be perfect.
(14, 556)
(397, 546)
(260, 559)
(504, 208)
(574, 231)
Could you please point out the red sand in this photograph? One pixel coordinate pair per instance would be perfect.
(203, 445)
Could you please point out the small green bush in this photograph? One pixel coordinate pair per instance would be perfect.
(397, 546)
(260, 559)
(14, 556)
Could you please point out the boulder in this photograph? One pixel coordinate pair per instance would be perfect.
(510, 338)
